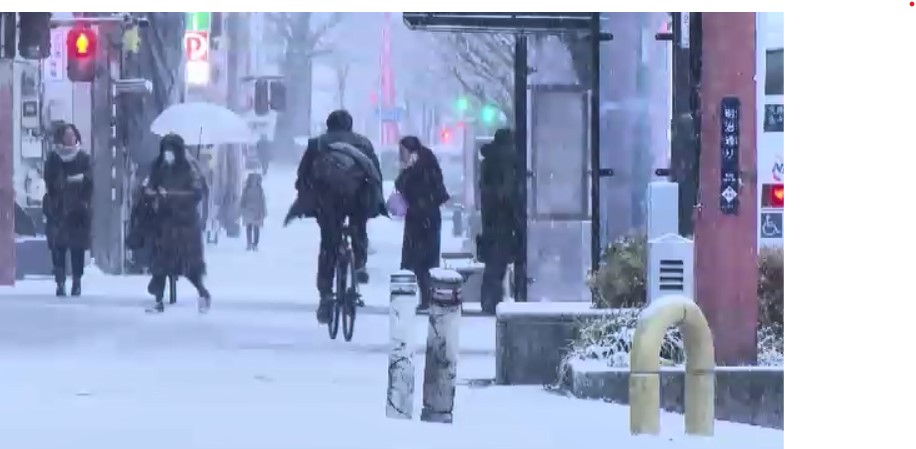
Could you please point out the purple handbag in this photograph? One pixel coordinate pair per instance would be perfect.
(397, 207)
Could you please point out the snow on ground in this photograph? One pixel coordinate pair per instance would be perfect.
(259, 373)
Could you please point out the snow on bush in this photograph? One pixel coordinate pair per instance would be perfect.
(620, 284)
(609, 338)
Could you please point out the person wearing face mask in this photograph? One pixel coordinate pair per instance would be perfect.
(67, 206)
(176, 187)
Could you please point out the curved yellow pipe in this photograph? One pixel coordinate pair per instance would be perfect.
(699, 380)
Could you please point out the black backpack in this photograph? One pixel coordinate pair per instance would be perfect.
(336, 170)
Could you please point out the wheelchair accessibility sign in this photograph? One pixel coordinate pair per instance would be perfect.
(771, 225)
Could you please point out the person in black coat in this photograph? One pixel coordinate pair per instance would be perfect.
(420, 184)
(68, 206)
(331, 208)
(176, 188)
(499, 216)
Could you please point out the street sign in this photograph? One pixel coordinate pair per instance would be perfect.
(196, 46)
(771, 225)
(730, 134)
(56, 64)
(773, 118)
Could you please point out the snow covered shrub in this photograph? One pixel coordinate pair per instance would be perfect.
(620, 282)
(770, 286)
(609, 338)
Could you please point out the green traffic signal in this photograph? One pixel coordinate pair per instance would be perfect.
(488, 114)
(462, 104)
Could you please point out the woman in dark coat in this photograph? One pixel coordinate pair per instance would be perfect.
(177, 188)
(68, 206)
(420, 184)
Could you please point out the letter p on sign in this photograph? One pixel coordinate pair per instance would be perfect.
(196, 46)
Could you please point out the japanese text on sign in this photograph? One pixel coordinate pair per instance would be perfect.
(730, 169)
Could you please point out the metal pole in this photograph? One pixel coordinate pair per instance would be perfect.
(521, 145)
(685, 144)
(7, 188)
(442, 343)
(594, 139)
(401, 314)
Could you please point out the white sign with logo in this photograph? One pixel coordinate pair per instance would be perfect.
(196, 46)
(56, 64)
(778, 170)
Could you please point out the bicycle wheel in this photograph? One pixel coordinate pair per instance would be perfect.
(339, 297)
(349, 304)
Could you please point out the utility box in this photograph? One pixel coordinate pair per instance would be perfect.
(662, 202)
(670, 267)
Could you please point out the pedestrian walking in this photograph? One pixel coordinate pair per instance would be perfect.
(421, 186)
(496, 245)
(254, 209)
(176, 188)
(67, 206)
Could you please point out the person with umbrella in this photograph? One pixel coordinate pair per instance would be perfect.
(176, 187)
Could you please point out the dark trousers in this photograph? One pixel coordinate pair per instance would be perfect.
(253, 233)
(331, 225)
(491, 286)
(157, 285)
(59, 261)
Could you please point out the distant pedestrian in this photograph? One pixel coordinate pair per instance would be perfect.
(67, 206)
(499, 216)
(420, 185)
(176, 187)
(254, 209)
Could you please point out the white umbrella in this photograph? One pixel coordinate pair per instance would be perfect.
(203, 124)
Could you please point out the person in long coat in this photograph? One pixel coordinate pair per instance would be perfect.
(254, 209)
(499, 211)
(68, 206)
(178, 249)
(420, 184)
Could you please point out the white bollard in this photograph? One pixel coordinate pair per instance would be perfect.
(442, 342)
(401, 374)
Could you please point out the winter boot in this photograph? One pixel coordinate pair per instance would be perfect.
(61, 289)
(76, 289)
(61, 280)
(203, 301)
(158, 307)
(362, 276)
(325, 309)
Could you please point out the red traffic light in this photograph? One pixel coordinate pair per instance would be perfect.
(81, 42)
(773, 195)
(445, 135)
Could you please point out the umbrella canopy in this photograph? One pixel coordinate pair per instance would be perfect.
(201, 123)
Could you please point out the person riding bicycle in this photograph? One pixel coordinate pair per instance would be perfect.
(339, 179)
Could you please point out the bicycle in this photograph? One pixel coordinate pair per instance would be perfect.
(346, 292)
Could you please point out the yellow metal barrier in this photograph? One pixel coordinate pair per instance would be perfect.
(699, 377)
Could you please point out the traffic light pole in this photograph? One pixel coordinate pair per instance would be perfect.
(106, 220)
(521, 146)
(7, 191)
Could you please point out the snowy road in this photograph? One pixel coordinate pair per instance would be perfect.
(259, 373)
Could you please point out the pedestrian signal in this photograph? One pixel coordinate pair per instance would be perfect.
(773, 196)
(81, 54)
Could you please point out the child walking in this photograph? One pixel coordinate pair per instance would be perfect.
(254, 209)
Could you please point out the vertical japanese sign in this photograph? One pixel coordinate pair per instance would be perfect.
(56, 64)
(730, 136)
